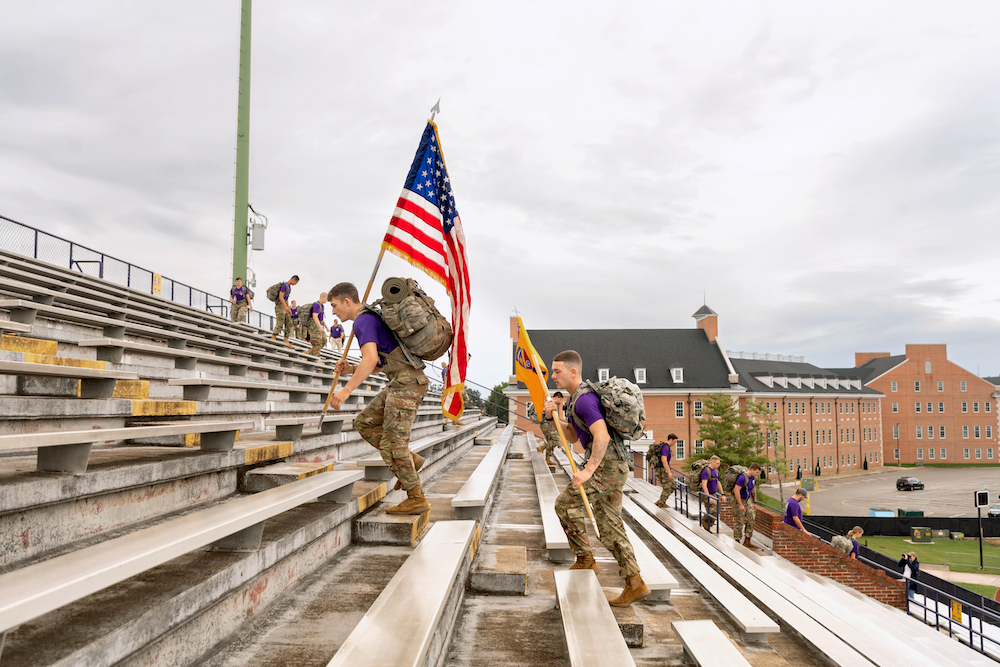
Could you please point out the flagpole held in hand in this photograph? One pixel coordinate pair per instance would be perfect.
(347, 345)
(537, 363)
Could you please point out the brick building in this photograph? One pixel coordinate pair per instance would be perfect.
(829, 421)
(675, 368)
(934, 411)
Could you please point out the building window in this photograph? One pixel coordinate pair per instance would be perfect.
(930, 407)
(876, 457)
(979, 453)
(989, 452)
(895, 432)
(964, 385)
(875, 433)
(930, 452)
(854, 458)
(789, 408)
(916, 385)
(895, 454)
(854, 435)
(927, 367)
(930, 432)
(944, 453)
(828, 410)
(894, 387)
(698, 407)
(916, 406)
(920, 453)
(965, 431)
(920, 432)
(603, 374)
(975, 406)
(679, 408)
(989, 431)
(796, 407)
(940, 406)
(940, 385)
(640, 376)
(987, 406)
(817, 438)
(895, 407)
(941, 433)
(965, 406)
(852, 408)
(975, 430)
(679, 448)
(966, 452)
(699, 446)
(678, 374)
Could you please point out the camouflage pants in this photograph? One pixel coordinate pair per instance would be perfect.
(551, 437)
(743, 521)
(604, 491)
(385, 423)
(667, 482)
(238, 313)
(317, 336)
(283, 321)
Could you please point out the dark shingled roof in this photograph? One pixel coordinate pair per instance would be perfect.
(703, 311)
(993, 380)
(872, 369)
(748, 368)
(623, 350)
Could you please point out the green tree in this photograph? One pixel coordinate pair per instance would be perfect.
(729, 434)
(774, 450)
(475, 398)
(496, 404)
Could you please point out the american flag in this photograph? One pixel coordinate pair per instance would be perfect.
(426, 231)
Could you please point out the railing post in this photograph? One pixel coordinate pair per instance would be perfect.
(36, 244)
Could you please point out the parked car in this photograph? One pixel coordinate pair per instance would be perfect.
(995, 510)
(908, 484)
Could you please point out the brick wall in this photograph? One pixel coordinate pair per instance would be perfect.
(818, 557)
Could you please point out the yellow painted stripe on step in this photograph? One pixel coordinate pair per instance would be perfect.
(269, 452)
(375, 495)
(32, 358)
(475, 541)
(164, 408)
(14, 343)
(137, 389)
(419, 526)
(192, 440)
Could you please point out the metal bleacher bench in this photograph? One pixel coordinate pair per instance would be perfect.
(706, 645)
(69, 451)
(290, 428)
(94, 382)
(377, 470)
(556, 543)
(31, 591)
(197, 389)
(399, 628)
(471, 500)
(592, 633)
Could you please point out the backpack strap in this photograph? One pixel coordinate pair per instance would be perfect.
(413, 360)
(617, 442)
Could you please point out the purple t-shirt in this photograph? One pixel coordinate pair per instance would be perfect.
(336, 331)
(285, 289)
(319, 310)
(854, 548)
(713, 479)
(369, 328)
(239, 293)
(664, 451)
(588, 409)
(793, 509)
(295, 312)
(746, 484)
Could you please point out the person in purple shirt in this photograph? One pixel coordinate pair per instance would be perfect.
(710, 487)
(662, 469)
(386, 421)
(603, 479)
(312, 322)
(793, 510)
(240, 297)
(282, 311)
(853, 534)
(744, 499)
(337, 335)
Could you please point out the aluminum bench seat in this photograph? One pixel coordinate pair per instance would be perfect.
(706, 645)
(291, 428)
(29, 592)
(7, 325)
(197, 389)
(69, 451)
(377, 470)
(473, 498)
(399, 628)
(94, 382)
(556, 543)
(592, 633)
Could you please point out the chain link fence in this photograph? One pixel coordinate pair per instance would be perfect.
(24, 240)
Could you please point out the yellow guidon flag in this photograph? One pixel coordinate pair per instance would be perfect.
(525, 369)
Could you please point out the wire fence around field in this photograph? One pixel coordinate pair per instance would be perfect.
(25, 240)
(969, 562)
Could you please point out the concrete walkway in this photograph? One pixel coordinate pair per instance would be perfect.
(961, 577)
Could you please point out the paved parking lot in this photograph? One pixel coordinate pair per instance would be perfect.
(948, 492)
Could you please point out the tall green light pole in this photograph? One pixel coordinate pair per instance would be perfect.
(242, 150)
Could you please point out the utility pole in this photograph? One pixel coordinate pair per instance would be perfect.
(242, 150)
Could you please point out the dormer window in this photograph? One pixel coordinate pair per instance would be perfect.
(640, 375)
(677, 374)
(603, 374)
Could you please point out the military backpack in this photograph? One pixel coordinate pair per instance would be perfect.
(273, 291)
(842, 544)
(654, 452)
(698, 466)
(412, 317)
(623, 409)
(732, 473)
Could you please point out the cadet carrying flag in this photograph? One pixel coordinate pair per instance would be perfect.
(426, 231)
(525, 369)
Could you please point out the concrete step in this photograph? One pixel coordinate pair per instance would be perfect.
(500, 570)
(628, 619)
(381, 528)
(268, 477)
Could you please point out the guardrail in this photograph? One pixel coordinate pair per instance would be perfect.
(31, 242)
(706, 504)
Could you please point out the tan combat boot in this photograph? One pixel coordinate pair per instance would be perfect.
(418, 463)
(274, 336)
(585, 562)
(635, 590)
(288, 344)
(415, 503)
(540, 448)
(660, 504)
(550, 462)
(748, 545)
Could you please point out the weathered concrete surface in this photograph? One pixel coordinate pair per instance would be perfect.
(380, 528)
(628, 621)
(500, 570)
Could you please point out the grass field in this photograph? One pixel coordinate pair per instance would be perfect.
(960, 555)
(986, 591)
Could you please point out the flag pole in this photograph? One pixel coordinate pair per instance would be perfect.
(347, 345)
(536, 364)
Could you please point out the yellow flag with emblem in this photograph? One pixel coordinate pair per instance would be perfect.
(525, 368)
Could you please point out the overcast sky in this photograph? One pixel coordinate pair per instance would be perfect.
(825, 173)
